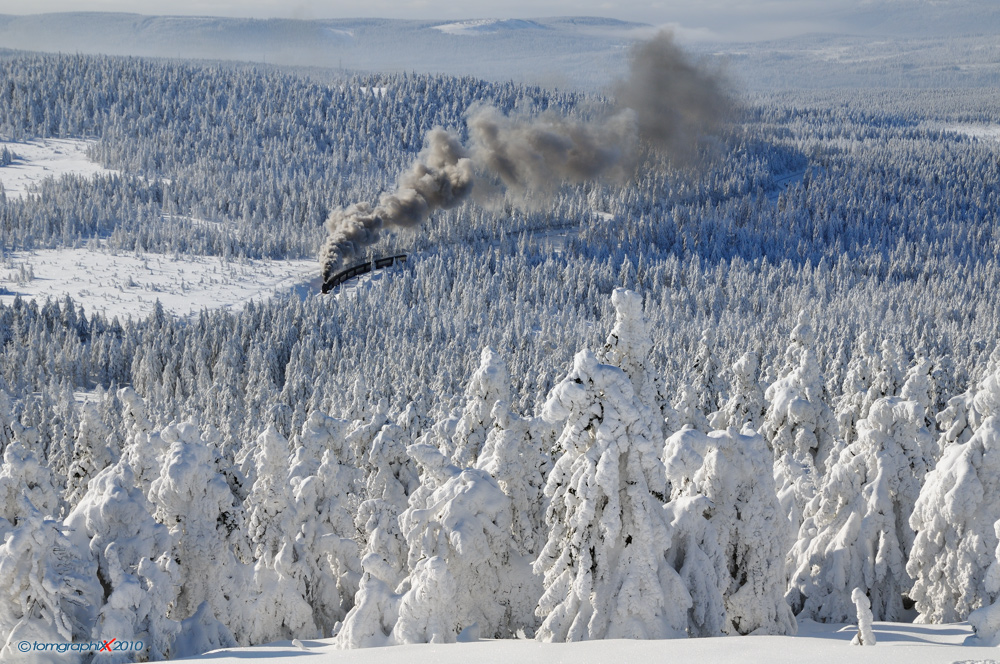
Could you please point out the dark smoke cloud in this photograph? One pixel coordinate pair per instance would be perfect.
(667, 102)
(538, 154)
(440, 178)
(675, 101)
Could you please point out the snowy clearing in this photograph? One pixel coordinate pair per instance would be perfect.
(816, 643)
(129, 285)
(39, 159)
(982, 132)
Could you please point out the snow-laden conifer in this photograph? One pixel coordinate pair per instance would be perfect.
(706, 374)
(489, 383)
(746, 405)
(392, 477)
(91, 453)
(319, 433)
(376, 609)
(953, 519)
(686, 412)
(751, 535)
(324, 555)
(427, 610)
(603, 565)
(918, 385)
(628, 347)
(985, 621)
(855, 533)
(799, 425)
(49, 591)
(193, 499)
(515, 456)
(24, 475)
(269, 503)
(465, 525)
(113, 520)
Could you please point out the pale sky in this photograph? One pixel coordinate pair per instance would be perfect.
(712, 15)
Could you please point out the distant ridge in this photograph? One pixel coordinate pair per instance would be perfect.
(874, 43)
(571, 51)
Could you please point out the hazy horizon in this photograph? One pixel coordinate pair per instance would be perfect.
(714, 19)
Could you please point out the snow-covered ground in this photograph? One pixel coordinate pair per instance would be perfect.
(816, 644)
(39, 159)
(129, 285)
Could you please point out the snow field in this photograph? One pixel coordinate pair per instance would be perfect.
(130, 285)
(49, 157)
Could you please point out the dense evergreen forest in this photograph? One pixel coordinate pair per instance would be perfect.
(816, 294)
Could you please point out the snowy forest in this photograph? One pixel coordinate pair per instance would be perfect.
(713, 398)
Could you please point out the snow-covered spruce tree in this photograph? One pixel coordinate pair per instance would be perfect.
(205, 519)
(489, 383)
(953, 519)
(686, 412)
(603, 565)
(144, 448)
(515, 456)
(706, 375)
(985, 621)
(694, 552)
(746, 405)
(734, 472)
(370, 622)
(324, 555)
(392, 477)
(91, 453)
(113, 520)
(268, 505)
(361, 433)
(428, 611)
(628, 347)
(855, 533)
(6, 416)
(320, 433)
(23, 475)
(945, 378)
(888, 378)
(918, 385)
(873, 376)
(280, 610)
(799, 425)
(50, 591)
(861, 370)
(464, 524)
(966, 412)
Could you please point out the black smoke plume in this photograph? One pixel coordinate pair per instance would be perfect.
(667, 102)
